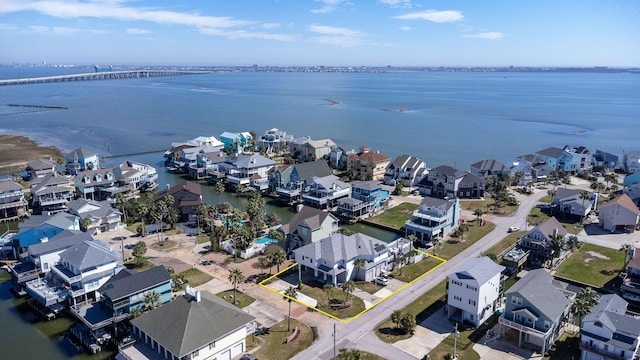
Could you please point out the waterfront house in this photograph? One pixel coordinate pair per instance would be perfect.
(41, 167)
(13, 205)
(51, 193)
(197, 325)
(297, 179)
(605, 161)
(237, 142)
(274, 142)
(187, 197)
(326, 191)
(175, 152)
(338, 156)
(308, 225)
(102, 215)
(435, 218)
(607, 332)
(305, 149)
(368, 165)
(367, 198)
(38, 227)
(570, 203)
(490, 167)
(81, 159)
(540, 240)
(473, 291)
(135, 175)
(631, 284)
(568, 160)
(533, 168)
(448, 182)
(252, 170)
(207, 165)
(408, 168)
(188, 157)
(619, 214)
(631, 187)
(331, 260)
(98, 184)
(536, 307)
(631, 161)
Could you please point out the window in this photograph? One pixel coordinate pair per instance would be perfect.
(547, 324)
(212, 345)
(516, 300)
(195, 354)
(472, 302)
(458, 298)
(529, 320)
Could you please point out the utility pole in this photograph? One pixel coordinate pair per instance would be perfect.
(334, 341)
(455, 341)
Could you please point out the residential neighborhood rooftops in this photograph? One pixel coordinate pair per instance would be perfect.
(61, 241)
(482, 269)
(625, 201)
(312, 217)
(342, 247)
(127, 282)
(545, 293)
(88, 254)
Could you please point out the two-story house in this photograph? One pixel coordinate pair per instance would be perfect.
(339, 155)
(540, 240)
(187, 197)
(197, 325)
(532, 167)
(51, 193)
(368, 165)
(297, 179)
(619, 213)
(102, 215)
(474, 291)
(175, 152)
(13, 205)
(535, 309)
(326, 191)
(631, 284)
(572, 203)
(568, 160)
(406, 167)
(447, 182)
(236, 142)
(631, 161)
(81, 159)
(605, 161)
(308, 225)
(251, 170)
(41, 167)
(608, 333)
(98, 184)
(135, 175)
(435, 218)
(331, 260)
(38, 227)
(490, 167)
(367, 198)
(274, 141)
(305, 149)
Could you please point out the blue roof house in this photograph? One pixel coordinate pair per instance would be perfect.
(235, 142)
(39, 227)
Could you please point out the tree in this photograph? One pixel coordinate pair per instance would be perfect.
(139, 250)
(585, 300)
(584, 195)
(290, 294)
(626, 248)
(408, 323)
(478, 213)
(173, 216)
(217, 236)
(328, 289)
(396, 316)
(359, 264)
(435, 241)
(151, 300)
(235, 277)
(464, 227)
(121, 205)
(263, 262)
(348, 287)
(400, 261)
(352, 354)
(84, 224)
(277, 257)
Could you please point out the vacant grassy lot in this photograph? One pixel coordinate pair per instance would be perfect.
(275, 347)
(195, 277)
(454, 246)
(592, 264)
(486, 205)
(242, 299)
(464, 347)
(410, 272)
(396, 216)
(316, 291)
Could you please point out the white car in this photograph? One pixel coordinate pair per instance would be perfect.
(513, 229)
(381, 281)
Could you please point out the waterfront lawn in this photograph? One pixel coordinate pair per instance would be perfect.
(593, 265)
(275, 347)
(396, 216)
(410, 272)
(195, 277)
(316, 291)
(242, 298)
(454, 246)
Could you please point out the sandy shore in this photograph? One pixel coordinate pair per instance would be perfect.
(16, 151)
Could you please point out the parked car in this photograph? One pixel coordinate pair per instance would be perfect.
(248, 357)
(513, 229)
(381, 281)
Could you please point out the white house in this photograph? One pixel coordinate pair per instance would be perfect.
(101, 215)
(631, 161)
(309, 225)
(474, 291)
(619, 213)
(406, 167)
(435, 218)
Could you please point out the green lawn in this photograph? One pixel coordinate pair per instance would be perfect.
(410, 272)
(592, 264)
(145, 264)
(486, 205)
(195, 277)
(396, 216)
(242, 299)
(505, 243)
(454, 246)
(275, 348)
(315, 290)
(464, 347)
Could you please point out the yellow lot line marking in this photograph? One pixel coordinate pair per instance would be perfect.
(345, 321)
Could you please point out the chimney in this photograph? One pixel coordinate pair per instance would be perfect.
(44, 239)
(168, 186)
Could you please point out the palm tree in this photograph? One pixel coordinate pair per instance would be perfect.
(235, 277)
(464, 227)
(584, 195)
(359, 264)
(585, 300)
(400, 261)
(348, 288)
(219, 188)
(435, 241)
(139, 250)
(121, 204)
(263, 262)
(396, 316)
(408, 323)
(412, 238)
(327, 289)
(290, 294)
(151, 300)
(277, 257)
(478, 213)
(626, 248)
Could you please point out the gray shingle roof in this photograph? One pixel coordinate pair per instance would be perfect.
(367, 185)
(184, 325)
(308, 170)
(81, 153)
(490, 165)
(433, 202)
(88, 255)
(481, 269)
(448, 171)
(59, 242)
(341, 247)
(552, 152)
(543, 292)
(126, 283)
(311, 216)
(610, 312)
(9, 186)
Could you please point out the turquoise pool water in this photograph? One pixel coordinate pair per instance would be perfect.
(266, 240)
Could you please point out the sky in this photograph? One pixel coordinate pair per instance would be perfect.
(321, 32)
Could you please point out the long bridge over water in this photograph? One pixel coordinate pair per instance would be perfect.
(110, 75)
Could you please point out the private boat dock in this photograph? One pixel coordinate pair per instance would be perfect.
(110, 75)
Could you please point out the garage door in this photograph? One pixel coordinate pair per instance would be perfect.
(237, 350)
(226, 355)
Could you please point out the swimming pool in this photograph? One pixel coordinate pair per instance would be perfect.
(266, 240)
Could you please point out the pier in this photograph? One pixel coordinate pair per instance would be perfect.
(110, 75)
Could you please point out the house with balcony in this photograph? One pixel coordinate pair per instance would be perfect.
(630, 287)
(308, 225)
(406, 167)
(207, 166)
(572, 203)
(250, 170)
(175, 152)
(187, 197)
(13, 205)
(38, 227)
(197, 325)
(568, 160)
(326, 191)
(533, 168)
(188, 157)
(619, 214)
(274, 141)
(51, 193)
(631, 161)
(367, 198)
(41, 167)
(490, 167)
(605, 161)
(237, 142)
(368, 165)
(98, 184)
(474, 291)
(435, 218)
(331, 260)
(81, 270)
(536, 307)
(136, 176)
(296, 180)
(339, 155)
(102, 215)
(608, 333)
(540, 240)
(81, 159)
(448, 182)
(306, 149)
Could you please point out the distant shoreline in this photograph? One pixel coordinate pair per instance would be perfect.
(17, 150)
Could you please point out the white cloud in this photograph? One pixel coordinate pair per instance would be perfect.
(116, 9)
(486, 35)
(329, 6)
(337, 36)
(56, 30)
(433, 15)
(397, 3)
(136, 31)
(270, 25)
(8, 27)
(405, 28)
